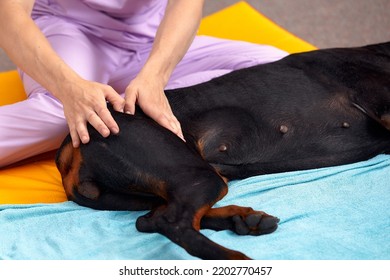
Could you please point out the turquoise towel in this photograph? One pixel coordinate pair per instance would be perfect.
(329, 213)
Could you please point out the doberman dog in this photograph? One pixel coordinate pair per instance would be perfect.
(308, 110)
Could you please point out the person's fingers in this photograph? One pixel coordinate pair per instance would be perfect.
(88, 104)
(117, 102)
(130, 100)
(180, 131)
(97, 122)
(74, 136)
(82, 131)
(175, 127)
(153, 102)
(103, 121)
(168, 120)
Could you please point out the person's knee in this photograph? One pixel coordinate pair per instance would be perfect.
(254, 54)
(30, 127)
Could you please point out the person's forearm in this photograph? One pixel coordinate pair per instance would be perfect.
(83, 101)
(27, 47)
(174, 36)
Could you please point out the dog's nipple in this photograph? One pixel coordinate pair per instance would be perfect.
(345, 125)
(283, 129)
(222, 148)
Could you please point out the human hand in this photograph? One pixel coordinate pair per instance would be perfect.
(149, 95)
(86, 102)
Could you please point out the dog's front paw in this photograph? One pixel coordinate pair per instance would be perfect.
(256, 223)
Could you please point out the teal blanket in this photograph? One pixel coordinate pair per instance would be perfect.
(329, 213)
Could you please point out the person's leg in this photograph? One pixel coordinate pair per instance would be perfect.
(37, 124)
(30, 127)
(210, 57)
(207, 58)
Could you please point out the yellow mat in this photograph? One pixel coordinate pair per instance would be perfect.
(40, 182)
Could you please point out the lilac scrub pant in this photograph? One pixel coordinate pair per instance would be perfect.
(107, 42)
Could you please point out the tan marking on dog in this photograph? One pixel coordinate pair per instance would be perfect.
(69, 166)
(229, 211)
(200, 146)
(206, 208)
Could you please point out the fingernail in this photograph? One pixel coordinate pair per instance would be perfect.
(84, 139)
(105, 132)
(115, 130)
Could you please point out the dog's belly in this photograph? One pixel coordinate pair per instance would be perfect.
(289, 115)
(239, 147)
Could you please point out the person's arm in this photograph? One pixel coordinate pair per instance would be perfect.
(27, 47)
(174, 36)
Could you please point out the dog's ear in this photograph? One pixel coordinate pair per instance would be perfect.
(89, 190)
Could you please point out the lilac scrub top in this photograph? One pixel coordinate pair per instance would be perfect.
(125, 23)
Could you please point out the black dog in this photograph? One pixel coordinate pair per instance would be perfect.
(308, 110)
